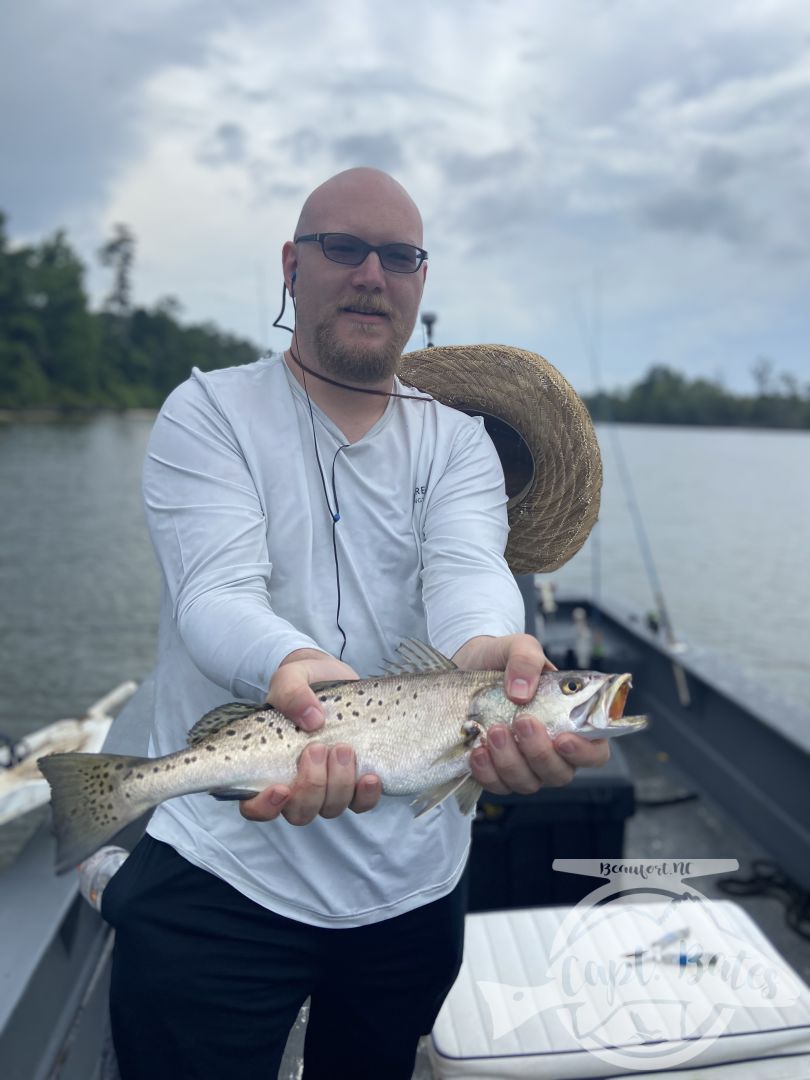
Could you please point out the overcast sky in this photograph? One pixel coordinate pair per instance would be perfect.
(625, 181)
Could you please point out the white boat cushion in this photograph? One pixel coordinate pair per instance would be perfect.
(539, 986)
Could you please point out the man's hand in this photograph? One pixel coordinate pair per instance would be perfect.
(522, 758)
(327, 781)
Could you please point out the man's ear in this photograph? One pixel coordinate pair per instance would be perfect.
(289, 265)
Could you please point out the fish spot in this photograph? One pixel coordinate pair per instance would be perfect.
(186, 760)
(355, 712)
(374, 719)
(340, 716)
(230, 731)
(118, 767)
(322, 697)
(399, 687)
(376, 686)
(246, 737)
(211, 748)
(263, 740)
(380, 702)
(414, 695)
(370, 701)
(227, 757)
(156, 769)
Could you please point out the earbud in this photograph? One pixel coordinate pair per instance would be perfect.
(292, 284)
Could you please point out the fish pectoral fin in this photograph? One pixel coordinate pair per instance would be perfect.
(458, 786)
(417, 658)
(468, 795)
(232, 794)
(472, 733)
(456, 751)
(220, 717)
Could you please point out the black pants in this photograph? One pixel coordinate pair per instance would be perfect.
(206, 984)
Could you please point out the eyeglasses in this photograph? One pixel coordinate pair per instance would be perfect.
(352, 251)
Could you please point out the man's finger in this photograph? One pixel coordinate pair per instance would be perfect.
(525, 662)
(290, 690)
(583, 753)
(539, 753)
(366, 794)
(267, 805)
(341, 776)
(510, 763)
(292, 695)
(309, 791)
(484, 772)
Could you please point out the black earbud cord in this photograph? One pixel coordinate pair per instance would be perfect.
(334, 514)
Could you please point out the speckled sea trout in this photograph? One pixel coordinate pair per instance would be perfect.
(414, 727)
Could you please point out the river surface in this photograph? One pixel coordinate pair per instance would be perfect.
(727, 514)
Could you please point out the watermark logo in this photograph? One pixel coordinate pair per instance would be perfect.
(644, 972)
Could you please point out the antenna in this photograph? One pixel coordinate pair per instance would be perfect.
(590, 334)
(428, 319)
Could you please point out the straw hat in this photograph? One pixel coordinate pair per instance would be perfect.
(543, 435)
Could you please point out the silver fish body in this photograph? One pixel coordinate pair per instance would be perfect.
(414, 728)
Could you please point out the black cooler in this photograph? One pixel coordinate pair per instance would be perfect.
(516, 838)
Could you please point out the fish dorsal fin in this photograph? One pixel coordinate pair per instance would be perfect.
(220, 717)
(319, 687)
(417, 658)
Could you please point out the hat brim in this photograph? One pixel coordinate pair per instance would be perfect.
(544, 437)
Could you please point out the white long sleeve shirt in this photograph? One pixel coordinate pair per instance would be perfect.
(242, 528)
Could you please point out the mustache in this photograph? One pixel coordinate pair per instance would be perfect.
(368, 305)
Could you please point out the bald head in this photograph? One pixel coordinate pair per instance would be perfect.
(353, 319)
(345, 202)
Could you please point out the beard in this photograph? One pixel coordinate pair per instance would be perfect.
(361, 362)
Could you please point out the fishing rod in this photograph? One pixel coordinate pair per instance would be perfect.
(589, 335)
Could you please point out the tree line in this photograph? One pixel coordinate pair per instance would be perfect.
(57, 353)
(664, 396)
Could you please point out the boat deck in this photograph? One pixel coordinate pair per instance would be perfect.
(679, 813)
(693, 827)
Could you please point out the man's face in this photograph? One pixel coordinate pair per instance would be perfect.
(357, 319)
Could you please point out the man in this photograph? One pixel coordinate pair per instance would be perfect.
(280, 499)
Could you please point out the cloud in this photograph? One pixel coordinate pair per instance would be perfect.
(382, 151)
(658, 148)
(462, 167)
(226, 146)
(700, 213)
(75, 75)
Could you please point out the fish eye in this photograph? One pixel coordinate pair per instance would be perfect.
(571, 686)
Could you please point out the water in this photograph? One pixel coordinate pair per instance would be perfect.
(79, 587)
(727, 513)
(727, 516)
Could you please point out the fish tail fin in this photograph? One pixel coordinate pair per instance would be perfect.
(88, 803)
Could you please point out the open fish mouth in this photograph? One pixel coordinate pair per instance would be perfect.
(605, 716)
